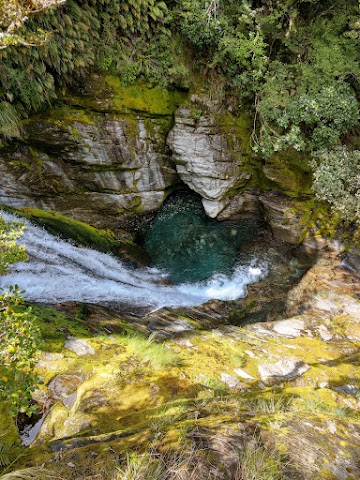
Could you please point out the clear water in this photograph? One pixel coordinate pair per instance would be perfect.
(192, 247)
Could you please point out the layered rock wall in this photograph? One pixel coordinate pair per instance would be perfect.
(112, 154)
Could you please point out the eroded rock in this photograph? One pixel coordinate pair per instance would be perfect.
(210, 152)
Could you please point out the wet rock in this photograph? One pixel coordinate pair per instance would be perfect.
(347, 389)
(79, 346)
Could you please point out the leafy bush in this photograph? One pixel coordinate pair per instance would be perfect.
(19, 343)
(10, 252)
(309, 121)
(337, 180)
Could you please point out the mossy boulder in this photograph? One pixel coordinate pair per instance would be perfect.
(86, 235)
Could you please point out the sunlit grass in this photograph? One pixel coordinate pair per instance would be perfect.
(148, 350)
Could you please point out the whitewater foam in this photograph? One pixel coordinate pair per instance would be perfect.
(58, 271)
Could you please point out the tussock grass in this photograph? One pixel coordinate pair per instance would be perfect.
(257, 462)
(148, 350)
(271, 404)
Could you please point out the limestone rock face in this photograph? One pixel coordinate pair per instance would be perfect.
(210, 152)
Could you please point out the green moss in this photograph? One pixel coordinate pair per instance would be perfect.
(84, 234)
(8, 430)
(316, 218)
(63, 117)
(68, 115)
(289, 172)
(107, 93)
(55, 326)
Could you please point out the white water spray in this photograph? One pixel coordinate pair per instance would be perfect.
(57, 271)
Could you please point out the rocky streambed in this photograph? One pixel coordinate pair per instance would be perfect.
(200, 383)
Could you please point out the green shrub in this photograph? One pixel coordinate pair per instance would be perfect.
(10, 252)
(19, 343)
(337, 180)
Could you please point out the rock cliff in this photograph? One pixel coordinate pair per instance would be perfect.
(111, 155)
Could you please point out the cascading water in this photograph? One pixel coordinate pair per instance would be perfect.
(57, 271)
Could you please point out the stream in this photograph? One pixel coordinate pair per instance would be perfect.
(58, 271)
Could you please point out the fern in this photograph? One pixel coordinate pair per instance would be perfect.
(9, 121)
(9, 451)
(33, 473)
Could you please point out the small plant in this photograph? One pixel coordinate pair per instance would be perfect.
(131, 371)
(196, 114)
(257, 462)
(157, 354)
(159, 466)
(140, 467)
(9, 452)
(271, 404)
(32, 473)
(217, 387)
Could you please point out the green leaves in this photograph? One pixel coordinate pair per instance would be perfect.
(19, 342)
(307, 121)
(10, 252)
(337, 180)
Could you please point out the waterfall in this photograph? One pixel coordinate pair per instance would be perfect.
(58, 271)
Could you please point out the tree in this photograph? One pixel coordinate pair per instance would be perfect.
(13, 15)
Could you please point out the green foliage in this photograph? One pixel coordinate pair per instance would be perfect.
(9, 452)
(80, 33)
(10, 252)
(337, 180)
(308, 121)
(31, 473)
(19, 342)
(9, 120)
(199, 25)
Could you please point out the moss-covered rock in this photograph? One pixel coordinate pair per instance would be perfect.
(289, 172)
(106, 93)
(86, 235)
(203, 384)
